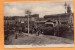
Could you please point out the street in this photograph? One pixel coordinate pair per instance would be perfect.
(28, 39)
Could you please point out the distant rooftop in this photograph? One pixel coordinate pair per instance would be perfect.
(57, 15)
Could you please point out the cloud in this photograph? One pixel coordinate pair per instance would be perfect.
(49, 10)
(42, 8)
(13, 12)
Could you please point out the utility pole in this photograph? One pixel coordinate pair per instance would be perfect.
(28, 14)
(28, 24)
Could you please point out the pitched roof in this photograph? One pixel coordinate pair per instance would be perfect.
(56, 15)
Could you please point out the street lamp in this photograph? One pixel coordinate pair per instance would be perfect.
(28, 12)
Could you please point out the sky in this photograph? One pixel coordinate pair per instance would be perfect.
(41, 8)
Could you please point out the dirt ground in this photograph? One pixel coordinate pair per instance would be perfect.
(28, 39)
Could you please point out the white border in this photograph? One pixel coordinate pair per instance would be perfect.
(39, 46)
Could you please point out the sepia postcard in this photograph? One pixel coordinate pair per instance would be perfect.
(38, 24)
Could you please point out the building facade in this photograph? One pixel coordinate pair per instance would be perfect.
(64, 18)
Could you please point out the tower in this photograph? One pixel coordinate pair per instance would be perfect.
(65, 5)
(69, 13)
(69, 9)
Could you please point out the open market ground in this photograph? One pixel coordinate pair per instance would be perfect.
(32, 39)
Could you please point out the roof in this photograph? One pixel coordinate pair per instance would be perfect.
(57, 15)
(34, 15)
(49, 23)
(40, 21)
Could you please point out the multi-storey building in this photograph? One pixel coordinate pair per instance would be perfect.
(64, 18)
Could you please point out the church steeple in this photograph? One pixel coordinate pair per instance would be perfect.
(67, 8)
(65, 5)
(68, 12)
